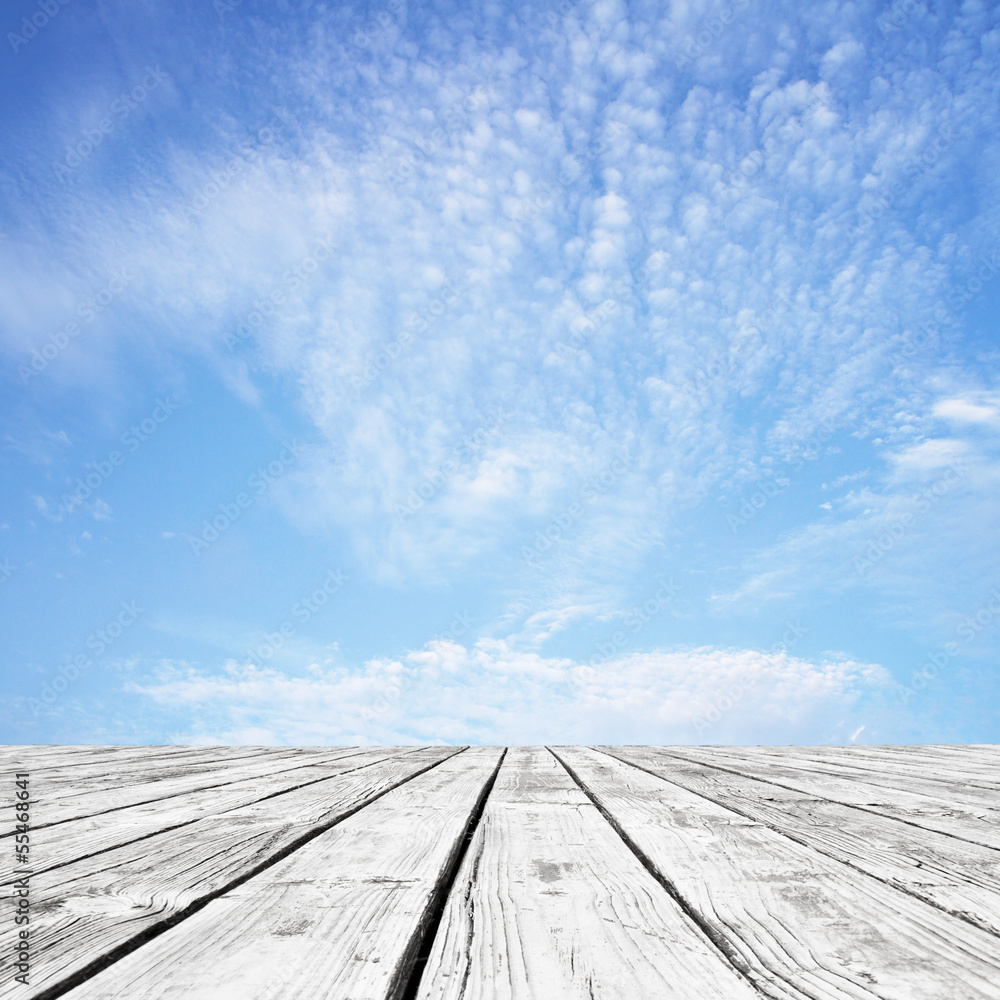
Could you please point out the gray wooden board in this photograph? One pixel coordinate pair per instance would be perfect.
(931, 811)
(59, 790)
(99, 794)
(88, 908)
(965, 758)
(59, 757)
(59, 844)
(985, 754)
(971, 776)
(55, 762)
(954, 875)
(551, 905)
(884, 764)
(42, 756)
(335, 919)
(805, 925)
(814, 868)
(59, 778)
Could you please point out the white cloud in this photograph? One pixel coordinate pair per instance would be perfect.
(966, 411)
(493, 693)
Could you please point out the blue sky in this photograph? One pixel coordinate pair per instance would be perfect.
(500, 373)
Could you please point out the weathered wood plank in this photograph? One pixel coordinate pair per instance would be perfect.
(50, 761)
(59, 844)
(927, 775)
(961, 878)
(62, 778)
(100, 771)
(99, 906)
(805, 925)
(73, 796)
(549, 903)
(62, 773)
(338, 918)
(57, 757)
(933, 812)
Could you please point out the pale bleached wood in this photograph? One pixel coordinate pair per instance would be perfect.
(886, 766)
(91, 907)
(59, 844)
(806, 925)
(72, 796)
(52, 760)
(56, 775)
(336, 919)
(551, 905)
(62, 774)
(47, 758)
(964, 756)
(959, 877)
(931, 811)
(988, 754)
(61, 781)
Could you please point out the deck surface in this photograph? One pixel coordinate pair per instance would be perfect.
(520, 873)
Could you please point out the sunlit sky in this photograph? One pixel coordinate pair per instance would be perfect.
(500, 373)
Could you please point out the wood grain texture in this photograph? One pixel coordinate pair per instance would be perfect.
(59, 844)
(335, 919)
(935, 777)
(805, 925)
(88, 909)
(67, 773)
(933, 811)
(961, 878)
(72, 793)
(551, 905)
(833, 873)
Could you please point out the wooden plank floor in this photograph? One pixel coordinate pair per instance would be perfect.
(521, 873)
